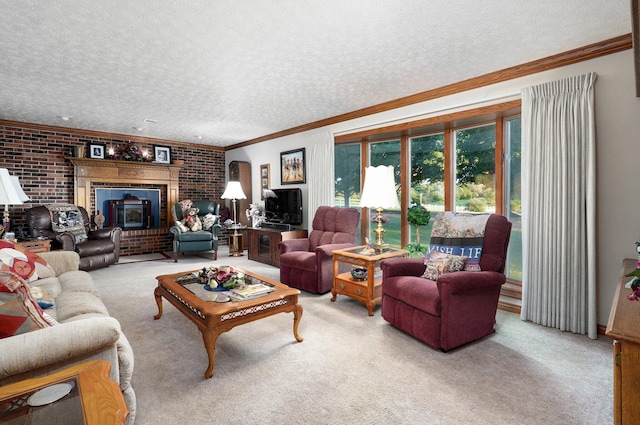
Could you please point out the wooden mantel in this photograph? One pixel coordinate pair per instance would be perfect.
(87, 171)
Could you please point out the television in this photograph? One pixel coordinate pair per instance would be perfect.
(285, 207)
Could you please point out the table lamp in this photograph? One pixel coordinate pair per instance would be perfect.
(10, 194)
(379, 192)
(234, 192)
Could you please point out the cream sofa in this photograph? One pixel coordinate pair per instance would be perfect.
(85, 332)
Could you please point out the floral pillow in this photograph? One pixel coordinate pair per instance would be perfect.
(440, 263)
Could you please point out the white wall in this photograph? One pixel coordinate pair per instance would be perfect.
(618, 153)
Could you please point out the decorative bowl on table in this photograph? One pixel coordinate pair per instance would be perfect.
(359, 273)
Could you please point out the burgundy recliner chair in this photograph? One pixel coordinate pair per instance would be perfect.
(307, 264)
(459, 307)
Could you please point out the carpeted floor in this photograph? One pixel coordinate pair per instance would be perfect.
(350, 368)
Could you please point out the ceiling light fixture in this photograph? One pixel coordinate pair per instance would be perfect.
(63, 117)
(149, 120)
(137, 128)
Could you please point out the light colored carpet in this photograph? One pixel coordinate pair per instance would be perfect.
(350, 368)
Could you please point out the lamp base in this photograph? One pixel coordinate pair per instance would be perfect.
(379, 247)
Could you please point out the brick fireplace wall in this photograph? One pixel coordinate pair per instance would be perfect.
(38, 155)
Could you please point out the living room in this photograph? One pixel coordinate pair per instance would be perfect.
(39, 153)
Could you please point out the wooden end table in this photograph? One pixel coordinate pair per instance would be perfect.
(93, 400)
(214, 318)
(368, 291)
(36, 245)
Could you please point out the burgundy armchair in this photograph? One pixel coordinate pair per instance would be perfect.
(307, 264)
(459, 307)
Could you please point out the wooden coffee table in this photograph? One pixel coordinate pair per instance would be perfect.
(214, 318)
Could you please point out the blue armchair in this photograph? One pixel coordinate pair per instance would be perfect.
(201, 240)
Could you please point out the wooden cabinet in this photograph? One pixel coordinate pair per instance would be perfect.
(624, 328)
(263, 243)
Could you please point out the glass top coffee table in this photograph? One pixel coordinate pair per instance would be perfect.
(214, 318)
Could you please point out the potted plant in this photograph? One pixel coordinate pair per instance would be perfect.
(417, 216)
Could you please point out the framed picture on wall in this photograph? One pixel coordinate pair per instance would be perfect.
(265, 179)
(96, 150)
(162, 154)
(292, 167)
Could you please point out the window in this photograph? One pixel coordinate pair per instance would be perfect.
(347, 178)
(475, 151)
(427, 177)
(513, 206)
(470, 162)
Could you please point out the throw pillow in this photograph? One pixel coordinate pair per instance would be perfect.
(440, 263)
(19, 312)
(67, 218)
(208, 221)
(459, 234)
(42, 297)
(22, 263)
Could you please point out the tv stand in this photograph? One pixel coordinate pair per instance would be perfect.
(276, 225)
(263, 243)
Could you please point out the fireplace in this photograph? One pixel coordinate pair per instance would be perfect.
(130, 213)
(129, 208)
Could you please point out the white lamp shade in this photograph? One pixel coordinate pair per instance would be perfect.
(233, 191)
(9, 194)
(379, 188)
(16, 184)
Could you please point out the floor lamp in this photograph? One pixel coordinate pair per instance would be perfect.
(10, 194)
(379, 192)
(234, 192)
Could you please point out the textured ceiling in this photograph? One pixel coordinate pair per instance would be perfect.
(230, 71)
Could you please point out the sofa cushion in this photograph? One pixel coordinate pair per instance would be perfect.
(19, 311)
(23, 263)
(440, 263)
(71, 304)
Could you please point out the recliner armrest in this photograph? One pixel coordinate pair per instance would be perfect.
(104, 233)
(327, 250)
(67, 240)
(402, 266)
(291, 245)
(176, 231)
(468, 282)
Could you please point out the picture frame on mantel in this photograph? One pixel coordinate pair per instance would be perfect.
(265, 179)
(96, 150)
(293, 167)
(161, 154)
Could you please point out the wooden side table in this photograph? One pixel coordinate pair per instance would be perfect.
(36, 245)
(235, 244)
(94, 399)
(368, 291)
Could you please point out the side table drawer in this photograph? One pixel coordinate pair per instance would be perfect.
(346, 286)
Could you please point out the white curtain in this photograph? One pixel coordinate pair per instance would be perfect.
(558, 204)
(320, 174)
